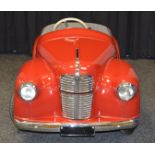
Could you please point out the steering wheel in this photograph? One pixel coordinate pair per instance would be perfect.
(65, 20)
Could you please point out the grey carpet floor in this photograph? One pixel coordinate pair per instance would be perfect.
(9, 66)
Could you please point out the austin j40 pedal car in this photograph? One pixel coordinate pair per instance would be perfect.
(76, 83)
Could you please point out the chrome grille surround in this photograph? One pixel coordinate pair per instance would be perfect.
(77, 94)
(73, 84)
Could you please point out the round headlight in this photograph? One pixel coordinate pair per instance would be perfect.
(126, 91)
(28, 91)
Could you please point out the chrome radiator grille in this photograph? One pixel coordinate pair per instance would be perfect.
(76, 93)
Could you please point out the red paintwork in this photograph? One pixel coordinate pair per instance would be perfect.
(54, 54)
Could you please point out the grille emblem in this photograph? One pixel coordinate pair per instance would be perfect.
(77, 64)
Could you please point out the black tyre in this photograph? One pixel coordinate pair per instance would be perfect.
(127, 131)
(11, 109)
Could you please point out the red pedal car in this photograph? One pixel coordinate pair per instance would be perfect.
(76, 83)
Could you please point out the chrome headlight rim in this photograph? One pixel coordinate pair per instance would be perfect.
(126, 84)
(28, 84)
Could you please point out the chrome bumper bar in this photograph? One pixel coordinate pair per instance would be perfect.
(55, 127)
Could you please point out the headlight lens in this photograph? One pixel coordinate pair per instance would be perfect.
(28, 91)
(126, 91)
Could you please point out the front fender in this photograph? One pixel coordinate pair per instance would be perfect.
(47, 101)
(106, 101)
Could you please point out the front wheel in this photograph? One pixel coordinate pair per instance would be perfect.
(11, 108)
(127, 131)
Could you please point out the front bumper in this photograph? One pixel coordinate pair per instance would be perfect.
(56, 127)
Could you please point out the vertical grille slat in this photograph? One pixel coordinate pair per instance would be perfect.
(76, 96)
